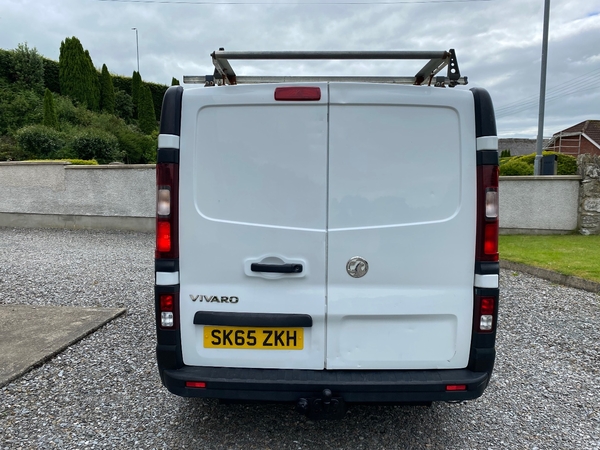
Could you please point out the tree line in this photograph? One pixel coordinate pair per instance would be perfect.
(72, 110)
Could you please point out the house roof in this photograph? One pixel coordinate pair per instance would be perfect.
(591, 128)
(519, 146)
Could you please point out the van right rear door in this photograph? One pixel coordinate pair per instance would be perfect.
(402, 197)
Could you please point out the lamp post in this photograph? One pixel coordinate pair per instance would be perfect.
(137, 48)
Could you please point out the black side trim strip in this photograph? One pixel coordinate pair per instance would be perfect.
(484, 157)
(166, 265)
(487, 292)
(168, 155)
(252, 319)
(487, 268)
(170, 115)
(485, 119)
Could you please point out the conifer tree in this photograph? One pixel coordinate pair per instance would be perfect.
(76, 73)
(146, 116)
(174, 82)
(136, 83)
(107, 91)
(94, 93)
(50, 119)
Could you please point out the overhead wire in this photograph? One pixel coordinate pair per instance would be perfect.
(583, 84)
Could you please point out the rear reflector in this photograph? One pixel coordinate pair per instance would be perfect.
(195, 384)
(297, 93)
(456, 387)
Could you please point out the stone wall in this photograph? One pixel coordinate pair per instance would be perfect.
(589, 194)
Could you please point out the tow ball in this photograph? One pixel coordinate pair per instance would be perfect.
(324, 407)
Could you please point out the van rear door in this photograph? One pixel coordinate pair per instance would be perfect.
(253, 193)
(402, 196)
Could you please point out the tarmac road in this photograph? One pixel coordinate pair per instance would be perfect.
(104, 391)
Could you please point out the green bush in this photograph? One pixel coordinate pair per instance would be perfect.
(505, 154)
(75, 162)
(40, 141)
(96, 144)
(28, 68)
(123, 105)
(138, 148)
(18, 108)
(50, 118)
(566, 164)
(516, 167)
(6, 65)
(146, 115)
(51, 75)
(10, 150)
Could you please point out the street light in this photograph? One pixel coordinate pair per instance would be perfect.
(137, 47)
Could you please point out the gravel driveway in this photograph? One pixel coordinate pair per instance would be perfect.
(104, 392)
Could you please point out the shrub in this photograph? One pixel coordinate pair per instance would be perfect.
(505, 154)
(566, 164)
(10, 150)
(138, 148)
(40, 141)
(28, 68)
(50, 118)
(516, 167)
(146, 115)
(123, 105)
(98, 145)
(51, 75)
(136, 84)
(18, 108)
(107, 92)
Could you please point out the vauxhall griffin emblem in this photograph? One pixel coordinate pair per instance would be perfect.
(357, 267)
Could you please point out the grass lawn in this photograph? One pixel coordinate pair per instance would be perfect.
(569, 254)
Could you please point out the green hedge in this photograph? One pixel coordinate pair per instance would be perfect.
(157, 90)
(566, 164)
(40, 140)
(51, 75)
(97, 144)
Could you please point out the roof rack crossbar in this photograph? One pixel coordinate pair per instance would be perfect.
(224, 73)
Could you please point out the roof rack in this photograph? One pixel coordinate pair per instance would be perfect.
(224, 73)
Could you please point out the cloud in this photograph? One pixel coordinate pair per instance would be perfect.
(498, 43)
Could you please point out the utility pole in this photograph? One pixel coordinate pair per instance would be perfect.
(137, 48)
(537, 166)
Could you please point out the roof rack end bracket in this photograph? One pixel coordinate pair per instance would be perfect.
(224, 69)
(453, 70)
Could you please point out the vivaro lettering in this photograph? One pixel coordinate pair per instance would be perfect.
(214, 299)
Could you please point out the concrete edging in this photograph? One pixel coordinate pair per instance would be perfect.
(77, 222)
(555, 277)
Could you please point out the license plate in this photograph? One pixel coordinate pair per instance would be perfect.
(254, 338)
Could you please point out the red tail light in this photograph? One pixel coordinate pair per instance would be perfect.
(168, 310)
(485, 314)
(298, 93)
(487, 213)
(167, 210)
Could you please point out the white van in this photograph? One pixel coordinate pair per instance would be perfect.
(325, 241)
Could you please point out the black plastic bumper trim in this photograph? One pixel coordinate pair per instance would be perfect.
(252, 319)
(484, 158)
(286, 385)
(487, 268)
(168, 155)
(166, 265)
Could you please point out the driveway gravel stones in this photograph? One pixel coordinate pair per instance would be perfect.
(104, 391)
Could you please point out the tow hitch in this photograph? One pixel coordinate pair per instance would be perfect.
(324, 407)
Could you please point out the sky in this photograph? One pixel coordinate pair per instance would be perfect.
(498, 43)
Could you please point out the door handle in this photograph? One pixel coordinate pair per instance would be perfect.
(276, 268)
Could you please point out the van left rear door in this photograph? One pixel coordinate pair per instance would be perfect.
(253, 190)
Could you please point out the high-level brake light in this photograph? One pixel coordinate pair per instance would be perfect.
(298, 93)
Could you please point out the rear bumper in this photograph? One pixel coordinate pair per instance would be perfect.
(354, 386)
